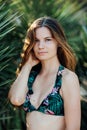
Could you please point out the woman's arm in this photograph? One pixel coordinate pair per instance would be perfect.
(19, 88)
(71, 96)
(17, 93)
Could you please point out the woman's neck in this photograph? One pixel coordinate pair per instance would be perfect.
(49, 66)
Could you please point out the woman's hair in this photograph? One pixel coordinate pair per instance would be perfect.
(64, 52)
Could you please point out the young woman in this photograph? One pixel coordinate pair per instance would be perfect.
(47, 86)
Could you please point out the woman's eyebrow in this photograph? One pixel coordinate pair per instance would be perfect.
(44, 37)
(48, 37)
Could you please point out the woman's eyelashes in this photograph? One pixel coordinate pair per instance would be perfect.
(48, 39)
(36, 41)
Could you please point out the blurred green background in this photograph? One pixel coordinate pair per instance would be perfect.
(15, 17)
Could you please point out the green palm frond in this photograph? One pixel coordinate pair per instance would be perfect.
(7, 54)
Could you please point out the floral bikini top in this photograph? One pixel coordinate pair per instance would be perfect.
(53, 104)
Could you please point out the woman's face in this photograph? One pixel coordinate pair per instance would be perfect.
(45, 46)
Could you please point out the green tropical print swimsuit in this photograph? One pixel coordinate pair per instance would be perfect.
(53, 104)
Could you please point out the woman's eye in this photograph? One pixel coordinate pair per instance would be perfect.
(36, 40)
(48, 39)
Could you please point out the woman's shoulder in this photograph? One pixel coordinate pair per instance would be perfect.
(70, 83)
(69, 79)
(69, 75)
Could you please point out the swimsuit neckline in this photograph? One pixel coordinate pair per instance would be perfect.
(54, 86)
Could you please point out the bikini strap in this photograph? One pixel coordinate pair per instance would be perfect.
(31, 79)
(59, 77)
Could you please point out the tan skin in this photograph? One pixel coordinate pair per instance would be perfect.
(45, 50)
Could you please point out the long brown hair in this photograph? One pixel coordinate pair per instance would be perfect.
(65, 53)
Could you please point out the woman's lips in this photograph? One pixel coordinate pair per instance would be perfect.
(42, 53)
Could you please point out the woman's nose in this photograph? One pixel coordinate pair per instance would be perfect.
(41, 45)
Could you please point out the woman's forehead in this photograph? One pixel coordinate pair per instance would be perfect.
(43, 32)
